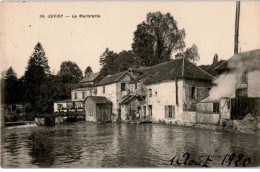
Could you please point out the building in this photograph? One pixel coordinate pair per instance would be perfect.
(170, 91)
(98, 109)
(245, 70)
(86, 87)
(115, 88)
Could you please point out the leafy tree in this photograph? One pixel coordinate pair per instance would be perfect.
(112, 62)
(88, 70)
(70, 72)
(36, 76)
(192, 54)
(156, 38)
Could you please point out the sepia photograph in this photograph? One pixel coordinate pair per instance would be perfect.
(130, 84)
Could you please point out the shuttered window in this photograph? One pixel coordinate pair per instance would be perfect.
(170, 111)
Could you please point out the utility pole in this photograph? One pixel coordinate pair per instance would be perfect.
(237, 26)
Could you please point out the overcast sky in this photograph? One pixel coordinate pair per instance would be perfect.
(210, 25)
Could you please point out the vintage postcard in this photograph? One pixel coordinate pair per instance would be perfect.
(122, 84)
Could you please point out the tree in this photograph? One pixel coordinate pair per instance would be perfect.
(215, 59)
(88, 70)
(70, 72)
(156, 38)
(192, 54)
(11, 87)
(112, 62)
(35, 77)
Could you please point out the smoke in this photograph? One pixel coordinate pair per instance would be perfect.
(225, 87)
(240, 65)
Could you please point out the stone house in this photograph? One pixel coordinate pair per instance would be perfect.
(115, 88)
(170, 90)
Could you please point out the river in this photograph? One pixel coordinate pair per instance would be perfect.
(85, 144)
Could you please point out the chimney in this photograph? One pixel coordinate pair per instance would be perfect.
(237, 26)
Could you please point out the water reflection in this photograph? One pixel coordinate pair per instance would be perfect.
(120, 145)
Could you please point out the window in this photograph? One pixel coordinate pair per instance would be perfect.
(123, 87)
(144, 109)
(150, 110)
(193, 93)
(83, 95)
(104, 90)
(150, 92)
(135, 86)
(170, 111)
(215, 108)
(75, 95)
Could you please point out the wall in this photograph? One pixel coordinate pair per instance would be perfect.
(90, 109)
(202, 93)
(254, 84)
(110, 94)
(166, 95)
(210, 118)
(189, 117)
(80, 94)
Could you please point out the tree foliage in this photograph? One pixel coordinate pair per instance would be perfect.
(10, 87)
(192, 54)
(35, 76)
(156, 38)
(70, 72)
(112, 62)
(88, 70)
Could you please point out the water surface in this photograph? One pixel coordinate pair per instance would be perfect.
(85, 144)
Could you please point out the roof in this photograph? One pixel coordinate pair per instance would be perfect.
(82, 89)
(128, 98)
(181, 68)
(99, 99)
(244, 55)
(112, 78)
(89, 78)
(64, 101)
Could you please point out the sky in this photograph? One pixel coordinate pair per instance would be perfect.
(209, 25)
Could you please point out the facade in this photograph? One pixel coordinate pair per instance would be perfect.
(86, 87)
(115, 88)
(98, 109)
(171, 90)
(242, 99)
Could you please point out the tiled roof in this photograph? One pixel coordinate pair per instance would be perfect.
(99, 99)
(181, 68)
(89, 78)
(111, 78)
